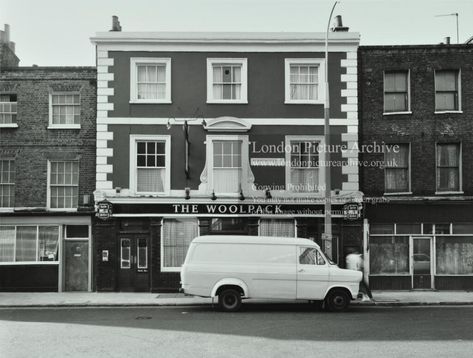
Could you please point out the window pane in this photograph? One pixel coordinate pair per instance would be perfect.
(446, 80)
(442, 228)
(454, 255)
(274, 227)
(381, 229)
(407, 229)
(26, 243)
(448, 155)
(77, 231)
(227, 180)
(177, 235)
(389, 255)
(463, 228)
(7, 243)
(395, 81)
(125, 253)
(151, 180)
(48, 243)
(142, 253)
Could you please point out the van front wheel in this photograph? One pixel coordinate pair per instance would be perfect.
(337, 301)
(229, 300)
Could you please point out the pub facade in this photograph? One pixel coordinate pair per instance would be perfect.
(217, 133)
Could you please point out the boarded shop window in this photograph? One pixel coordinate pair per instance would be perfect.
(177, 235)
(396, 91)
(29, 243)
(397, 169)
(7, 183)
(454, 255)
(227, 166)
(447, 90)
(389, 255)
(448, 167)
(274, 227)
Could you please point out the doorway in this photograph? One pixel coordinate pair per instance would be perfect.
(134, 263)
(422, 263)
(76, 272)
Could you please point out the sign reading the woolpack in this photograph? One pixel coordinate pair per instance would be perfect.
(253, 209)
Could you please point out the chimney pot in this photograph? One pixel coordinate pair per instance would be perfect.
(339, 25)
(116, 24)
(447, 40)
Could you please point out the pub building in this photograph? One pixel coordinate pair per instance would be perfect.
(217, 133)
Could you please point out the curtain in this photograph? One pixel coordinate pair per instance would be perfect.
(151, 81)
(448, 167)
(304, 180)
(389, 255)
(397, 169)
(177, 235)
(395, 91)
(151, 179)
(275, 227)
(48, 243)
(7, 243)
(454, 255)
(446, 90)
(26, 243)
(303, 82)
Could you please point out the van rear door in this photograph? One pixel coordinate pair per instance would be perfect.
(312, 274)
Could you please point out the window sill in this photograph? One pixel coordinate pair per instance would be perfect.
(150, 101)
(215, 101)
(446, 112)
(63, 209)
(390, 274)
(16, 263)
(396, 113)
(398, 193)
(67, 126)
(289, 101)
(449, 193)
(9, 125)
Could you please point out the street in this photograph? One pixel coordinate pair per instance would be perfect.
(259, 330)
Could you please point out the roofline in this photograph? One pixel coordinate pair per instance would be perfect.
(49, 68)
(412, 47)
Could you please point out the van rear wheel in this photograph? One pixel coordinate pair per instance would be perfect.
(229, 300)
(337, 301)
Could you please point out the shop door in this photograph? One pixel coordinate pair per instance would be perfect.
(76, 273)
(422, 263)
(134, 258)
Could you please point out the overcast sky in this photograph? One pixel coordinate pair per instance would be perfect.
(57, 32)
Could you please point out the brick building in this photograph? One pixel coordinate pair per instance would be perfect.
(415, 102)
(47, 171)
(192, 138)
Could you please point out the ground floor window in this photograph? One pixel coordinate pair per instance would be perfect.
(389, 255)
(274, 227)
(454, 255)
(29, 243)
(176, 237)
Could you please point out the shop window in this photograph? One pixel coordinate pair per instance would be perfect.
(448, 167)
(275, 227)
(462, 228)
(427, 228)
(454, 255)
(397, 175)
(29, 243)
(396, 91)
(447, 94)
(382, 229)
(7, 183)
(177, 235)
(389, 255)
(442, 229)
(408, 229)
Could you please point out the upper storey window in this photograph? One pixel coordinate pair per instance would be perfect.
(396, 91)
(447, 90)
(7, 110)
(64, 111)
(304, 80)
(227, 80)
(150, 80)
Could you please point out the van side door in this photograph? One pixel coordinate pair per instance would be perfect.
(312, 274)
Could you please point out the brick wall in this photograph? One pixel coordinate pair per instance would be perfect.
(423, 129)
(32, 143)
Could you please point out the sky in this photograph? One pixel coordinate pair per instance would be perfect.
(57, 32)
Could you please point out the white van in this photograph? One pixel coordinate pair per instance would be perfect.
(236, 267)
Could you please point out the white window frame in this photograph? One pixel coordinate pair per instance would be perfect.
(48, 189)
(63, 126)
(298, 138)
(320, 62)
(245, 162)
(460, 182)
(408, 110)
(134, 138)
(409, 189)
(244, 79)
(459, 110)
(8, 208)
(134, 62)
(13, 123)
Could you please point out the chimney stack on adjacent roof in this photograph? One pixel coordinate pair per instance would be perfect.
(447, 40)
(8, 57)
(339, 25)
(116, 24)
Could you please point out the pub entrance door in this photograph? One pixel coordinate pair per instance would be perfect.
(134, 263)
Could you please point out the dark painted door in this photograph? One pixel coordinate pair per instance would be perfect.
(422, 263)
(76, 273)
(134, 263)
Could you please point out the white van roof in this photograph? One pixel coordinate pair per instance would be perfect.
(245, 239)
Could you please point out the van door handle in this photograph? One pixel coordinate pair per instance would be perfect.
(300, 270)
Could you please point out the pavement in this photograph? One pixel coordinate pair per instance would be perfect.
(117, 299)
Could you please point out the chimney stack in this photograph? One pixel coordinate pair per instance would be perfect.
(8, 57)
(447, 40)
(339, 25)
(116, 24)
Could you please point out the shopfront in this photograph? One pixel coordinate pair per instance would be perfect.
(433, 249)
(142, 247)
